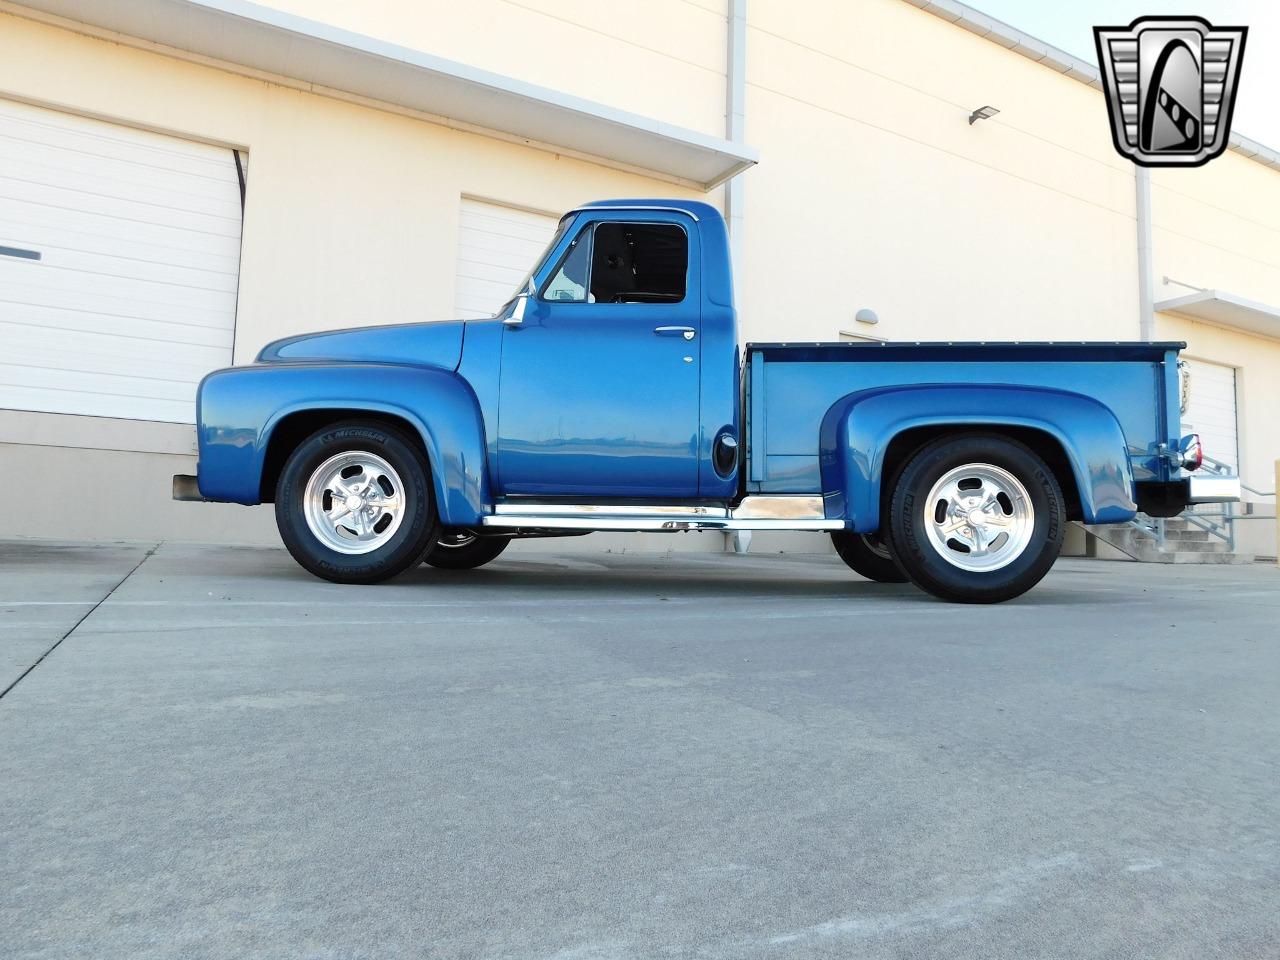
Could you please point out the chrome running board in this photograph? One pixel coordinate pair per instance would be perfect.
(754, 513)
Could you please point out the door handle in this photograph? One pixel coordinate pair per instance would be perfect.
(686, 332)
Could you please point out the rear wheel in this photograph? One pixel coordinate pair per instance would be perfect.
(463, 550)
(354, 503)
(976, 519)
(867, 555)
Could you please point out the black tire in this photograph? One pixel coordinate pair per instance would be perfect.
(867, 556)
(463, 550)
(417, 528)
(914, 521)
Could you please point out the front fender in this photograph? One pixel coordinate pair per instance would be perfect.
(239, 408)
(858, 429)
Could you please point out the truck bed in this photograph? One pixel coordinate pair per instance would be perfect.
(790, 387)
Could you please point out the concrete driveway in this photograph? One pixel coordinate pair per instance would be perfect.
(594, 757)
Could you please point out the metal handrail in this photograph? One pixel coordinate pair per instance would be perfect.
(1226, 470)
(1219, 522)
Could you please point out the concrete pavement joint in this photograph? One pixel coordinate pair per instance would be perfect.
(75, 626)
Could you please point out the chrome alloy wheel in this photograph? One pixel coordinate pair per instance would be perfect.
(979, 517)
(354, 502)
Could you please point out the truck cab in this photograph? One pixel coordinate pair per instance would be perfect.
(611, 393)
(619, 359)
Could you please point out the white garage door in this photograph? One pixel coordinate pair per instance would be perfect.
(496, 247)
(1211, 410)
(119, 260)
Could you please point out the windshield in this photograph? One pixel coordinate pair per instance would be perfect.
(525, 284)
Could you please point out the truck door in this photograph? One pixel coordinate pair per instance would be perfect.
(599, 384)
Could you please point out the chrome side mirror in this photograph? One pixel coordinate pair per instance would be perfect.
(517, 312)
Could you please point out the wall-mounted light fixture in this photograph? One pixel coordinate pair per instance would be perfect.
(982, 113)
(866, 315)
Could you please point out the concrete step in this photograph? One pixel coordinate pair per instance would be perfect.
(1195, 533)
(1185, 543)
(1151, 554)
(1196, 546)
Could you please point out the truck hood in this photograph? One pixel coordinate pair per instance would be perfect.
(418, 344)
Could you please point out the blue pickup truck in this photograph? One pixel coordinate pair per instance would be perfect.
(611, 393)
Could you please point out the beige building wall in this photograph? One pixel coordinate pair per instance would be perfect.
(660, 58)
(874, 191)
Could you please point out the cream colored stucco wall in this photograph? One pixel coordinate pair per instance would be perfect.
(874, 191)
(1218, 226)
(659, 58)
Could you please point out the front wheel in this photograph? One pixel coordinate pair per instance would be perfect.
(354, 503)
(463, 550)
(976, 519)
(867, 556)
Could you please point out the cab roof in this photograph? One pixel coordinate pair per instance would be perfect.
(694, 208)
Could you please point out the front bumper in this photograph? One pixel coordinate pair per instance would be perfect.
(1211, 489)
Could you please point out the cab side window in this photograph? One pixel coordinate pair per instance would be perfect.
(639, 263)
(623, 263)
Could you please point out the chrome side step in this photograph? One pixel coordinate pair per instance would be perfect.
(754, 513)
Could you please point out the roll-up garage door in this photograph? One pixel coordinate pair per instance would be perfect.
(119, 262)
(1211, 410)
(496, 247)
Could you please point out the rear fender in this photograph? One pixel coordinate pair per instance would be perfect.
(859, 428)
(239, 408)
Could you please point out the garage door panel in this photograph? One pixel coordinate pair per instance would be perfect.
(482, 297)
(54, 285)
(47, 163)
(491, 247)
(76, 134)
(126, 209)
(20, 216)
(77, 381)
(96, 178)
(506, 221)
(13, 296)
(496, 247)
(79, 321)
(503, 279)
(89, 401)
(44, 238)
(131, 269)
(133, 299)
(108, 352)
(1211, 410)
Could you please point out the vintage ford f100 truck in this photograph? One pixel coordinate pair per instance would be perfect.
(610, 393)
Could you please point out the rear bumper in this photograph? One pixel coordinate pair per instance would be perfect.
(1210, 489)
(1171, 498)
(185, 487)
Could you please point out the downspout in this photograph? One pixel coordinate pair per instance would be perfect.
(739, 541)
(735, 128)
(1146, 296)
